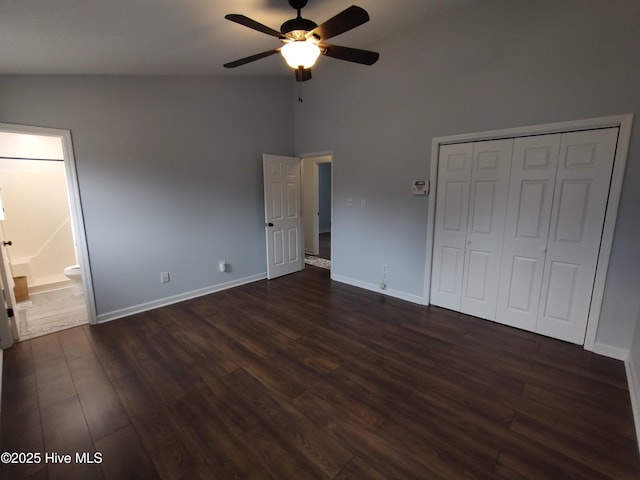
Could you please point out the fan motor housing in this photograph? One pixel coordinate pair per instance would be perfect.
(297, 24)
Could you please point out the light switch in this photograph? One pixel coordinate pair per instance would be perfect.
(349, 202)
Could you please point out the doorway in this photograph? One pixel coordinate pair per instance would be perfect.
(44, 223)
(317, 187)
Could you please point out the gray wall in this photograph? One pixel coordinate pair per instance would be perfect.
(170, 173)
(493, 65)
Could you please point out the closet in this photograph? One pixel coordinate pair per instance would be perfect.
(518, 226)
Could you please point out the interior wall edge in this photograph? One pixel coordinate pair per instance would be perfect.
(609, 351)
(389, 292)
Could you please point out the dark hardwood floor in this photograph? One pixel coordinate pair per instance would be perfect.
(304, 378)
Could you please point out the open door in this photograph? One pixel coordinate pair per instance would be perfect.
(8, 327)
(283, 222)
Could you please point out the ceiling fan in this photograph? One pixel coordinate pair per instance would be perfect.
(303, 39)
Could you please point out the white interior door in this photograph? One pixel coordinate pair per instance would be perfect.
(485, 227)
(533, 175)
(450, 229)
(8, 327)
(283, 223)
(577, 218)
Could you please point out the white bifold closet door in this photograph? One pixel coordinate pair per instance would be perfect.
(575, 232)
(533, 176)
(472, 197)
(524, 250)
(450, 230)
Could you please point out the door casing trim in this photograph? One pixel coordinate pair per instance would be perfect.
(75, 205)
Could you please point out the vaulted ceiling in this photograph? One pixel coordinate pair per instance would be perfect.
(158, 37)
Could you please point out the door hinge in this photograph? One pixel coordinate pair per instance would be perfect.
(9, 312)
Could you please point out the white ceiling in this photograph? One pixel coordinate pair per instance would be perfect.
(188, 37)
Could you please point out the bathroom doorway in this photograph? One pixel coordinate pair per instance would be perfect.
(38, 185)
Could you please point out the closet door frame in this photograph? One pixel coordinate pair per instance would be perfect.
(624, 123)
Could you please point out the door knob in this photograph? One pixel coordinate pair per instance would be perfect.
(268, 224)
(9, 243)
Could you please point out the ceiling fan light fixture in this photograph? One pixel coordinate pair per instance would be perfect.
(300, 54)
(304, 40)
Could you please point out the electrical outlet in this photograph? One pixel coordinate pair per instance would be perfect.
(164, 277)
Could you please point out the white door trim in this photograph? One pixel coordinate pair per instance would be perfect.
(624, 122)
(74, 204)
(309, 199)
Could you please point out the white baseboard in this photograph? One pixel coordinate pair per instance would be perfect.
(633, 380)
(610, 351)
(376, 288)
(162, 302)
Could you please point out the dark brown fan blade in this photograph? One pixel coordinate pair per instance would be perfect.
(342, 22)
(365, 57)
(247, 22)
(252, 58)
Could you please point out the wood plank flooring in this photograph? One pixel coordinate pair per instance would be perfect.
(304, 378)
(324, 244)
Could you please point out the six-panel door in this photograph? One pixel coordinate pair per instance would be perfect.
(533, 173)
(485, 227)
(283, 223)
(577, 217)
(450, 239)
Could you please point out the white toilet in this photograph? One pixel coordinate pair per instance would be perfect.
(73, 273)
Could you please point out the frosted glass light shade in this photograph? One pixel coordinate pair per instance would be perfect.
(300, 54)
